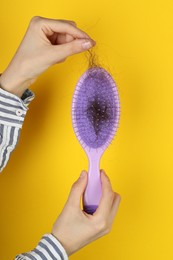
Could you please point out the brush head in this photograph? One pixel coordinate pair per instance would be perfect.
(95, 109)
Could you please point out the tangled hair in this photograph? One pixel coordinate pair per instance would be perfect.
(92, 59)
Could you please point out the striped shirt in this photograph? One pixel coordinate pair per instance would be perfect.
(12, 114)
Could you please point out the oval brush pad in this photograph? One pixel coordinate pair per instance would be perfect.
(95, 117)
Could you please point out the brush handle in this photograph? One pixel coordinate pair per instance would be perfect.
(93, 190)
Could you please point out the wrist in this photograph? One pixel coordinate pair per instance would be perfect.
(14, 83)
(66, 248)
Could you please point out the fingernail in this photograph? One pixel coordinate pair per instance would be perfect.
(86, 45)
(83, 173)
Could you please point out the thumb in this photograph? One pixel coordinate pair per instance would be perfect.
(73, 47)
(77, 190)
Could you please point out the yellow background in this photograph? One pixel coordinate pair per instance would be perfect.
(134, 39)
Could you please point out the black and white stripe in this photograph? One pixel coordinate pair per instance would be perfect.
(10, 138)
(49, 248)
(10, 104)
(10, 122)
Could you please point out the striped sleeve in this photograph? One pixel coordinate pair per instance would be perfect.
(12, 113)
(49, 248)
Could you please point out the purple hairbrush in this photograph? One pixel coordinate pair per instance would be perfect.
(95, 117)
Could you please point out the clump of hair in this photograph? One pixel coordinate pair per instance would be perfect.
(92, 59)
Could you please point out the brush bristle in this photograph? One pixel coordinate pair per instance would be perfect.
(95, 108)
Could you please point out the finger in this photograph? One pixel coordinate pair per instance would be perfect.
(73, 47)
(77, 190)
(53, 38)
(64, 38)
(69, 38)
(107, 198)
(60, 38)
(60, 26)
(68, 21)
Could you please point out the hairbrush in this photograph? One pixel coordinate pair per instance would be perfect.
(95, 118)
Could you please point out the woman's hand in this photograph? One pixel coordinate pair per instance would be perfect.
(74, 228)
(45, 43)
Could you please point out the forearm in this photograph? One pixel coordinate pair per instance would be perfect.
(13, 80)
(13, 110)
